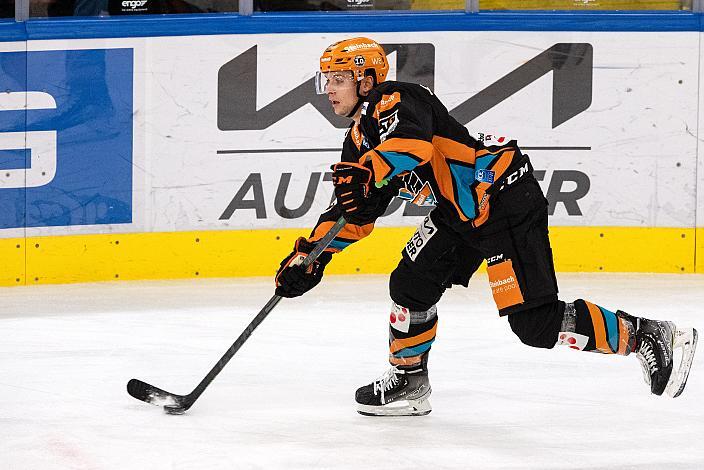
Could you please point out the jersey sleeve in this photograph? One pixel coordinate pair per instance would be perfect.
(379, 197)
(404, 126)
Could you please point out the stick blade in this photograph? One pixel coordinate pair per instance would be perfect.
(151, 394)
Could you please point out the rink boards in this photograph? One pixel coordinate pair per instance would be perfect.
(207, 154)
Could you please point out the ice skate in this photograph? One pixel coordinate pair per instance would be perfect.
(398, 392)
(657, 344)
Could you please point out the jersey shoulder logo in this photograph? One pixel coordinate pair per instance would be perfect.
(387, 125)
(417, 191)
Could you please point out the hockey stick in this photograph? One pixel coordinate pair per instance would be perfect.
(178, 404)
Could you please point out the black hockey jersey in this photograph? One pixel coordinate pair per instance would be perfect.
(423, 155)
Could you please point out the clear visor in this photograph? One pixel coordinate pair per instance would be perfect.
(333, 81)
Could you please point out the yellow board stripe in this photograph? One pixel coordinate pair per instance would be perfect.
(227, 253)
(699, 251)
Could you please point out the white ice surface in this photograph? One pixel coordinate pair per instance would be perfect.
(286, 399)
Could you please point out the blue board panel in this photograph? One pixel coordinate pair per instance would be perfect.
(92, 121)
(14, 159)
(12, 196)
(12, 31)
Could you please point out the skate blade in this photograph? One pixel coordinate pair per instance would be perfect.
(419, 407)
(686, 340)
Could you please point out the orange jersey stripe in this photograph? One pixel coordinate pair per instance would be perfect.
(416, 147)
(449, 148)
(443, 176)
(455, 150)
(420, 148)
(349, 232)
(399, 344)
(379, 166)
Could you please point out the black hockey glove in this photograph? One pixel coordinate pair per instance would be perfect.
(352, 182)
(291, 279)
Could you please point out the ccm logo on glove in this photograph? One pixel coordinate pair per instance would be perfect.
(351, 182)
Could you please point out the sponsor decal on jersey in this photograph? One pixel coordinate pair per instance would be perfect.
(494, 259)
(504, 284)
(572, 340)
(484, 176)
(484, 201)
(387, 125)
(365, 105)
(425, 231)
(515, 176)
(491, 139)
(417, 191)
(389, 101)
(400, 318)
(357, 136)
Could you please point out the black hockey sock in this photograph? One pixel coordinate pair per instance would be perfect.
(411, 334)
(589, 327)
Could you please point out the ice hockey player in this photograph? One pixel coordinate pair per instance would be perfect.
(488, 206)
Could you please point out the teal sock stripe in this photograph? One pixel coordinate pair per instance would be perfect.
(612, 331)
(415, 350)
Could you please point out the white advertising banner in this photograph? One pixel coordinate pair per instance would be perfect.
(229, 134)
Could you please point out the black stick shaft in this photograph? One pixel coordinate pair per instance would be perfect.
(310, 259)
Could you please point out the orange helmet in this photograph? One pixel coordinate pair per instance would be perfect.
(357, 55)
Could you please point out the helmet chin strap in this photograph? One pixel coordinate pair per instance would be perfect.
(360, 99)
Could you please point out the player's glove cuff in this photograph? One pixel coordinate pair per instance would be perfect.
(292, 280)
(352, 182)
(348, 173)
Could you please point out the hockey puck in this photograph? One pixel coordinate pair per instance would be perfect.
(174, 409)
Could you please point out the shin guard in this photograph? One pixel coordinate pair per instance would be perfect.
(410, 335)
(589, 327)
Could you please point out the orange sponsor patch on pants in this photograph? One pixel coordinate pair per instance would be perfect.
(504, 284)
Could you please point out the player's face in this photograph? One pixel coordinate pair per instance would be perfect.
(341, 89)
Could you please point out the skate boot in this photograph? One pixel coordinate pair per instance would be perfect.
(657, 342)
(399, 392)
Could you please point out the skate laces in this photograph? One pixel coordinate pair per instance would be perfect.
(646, 351)
(387, 381)
(647, 359)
